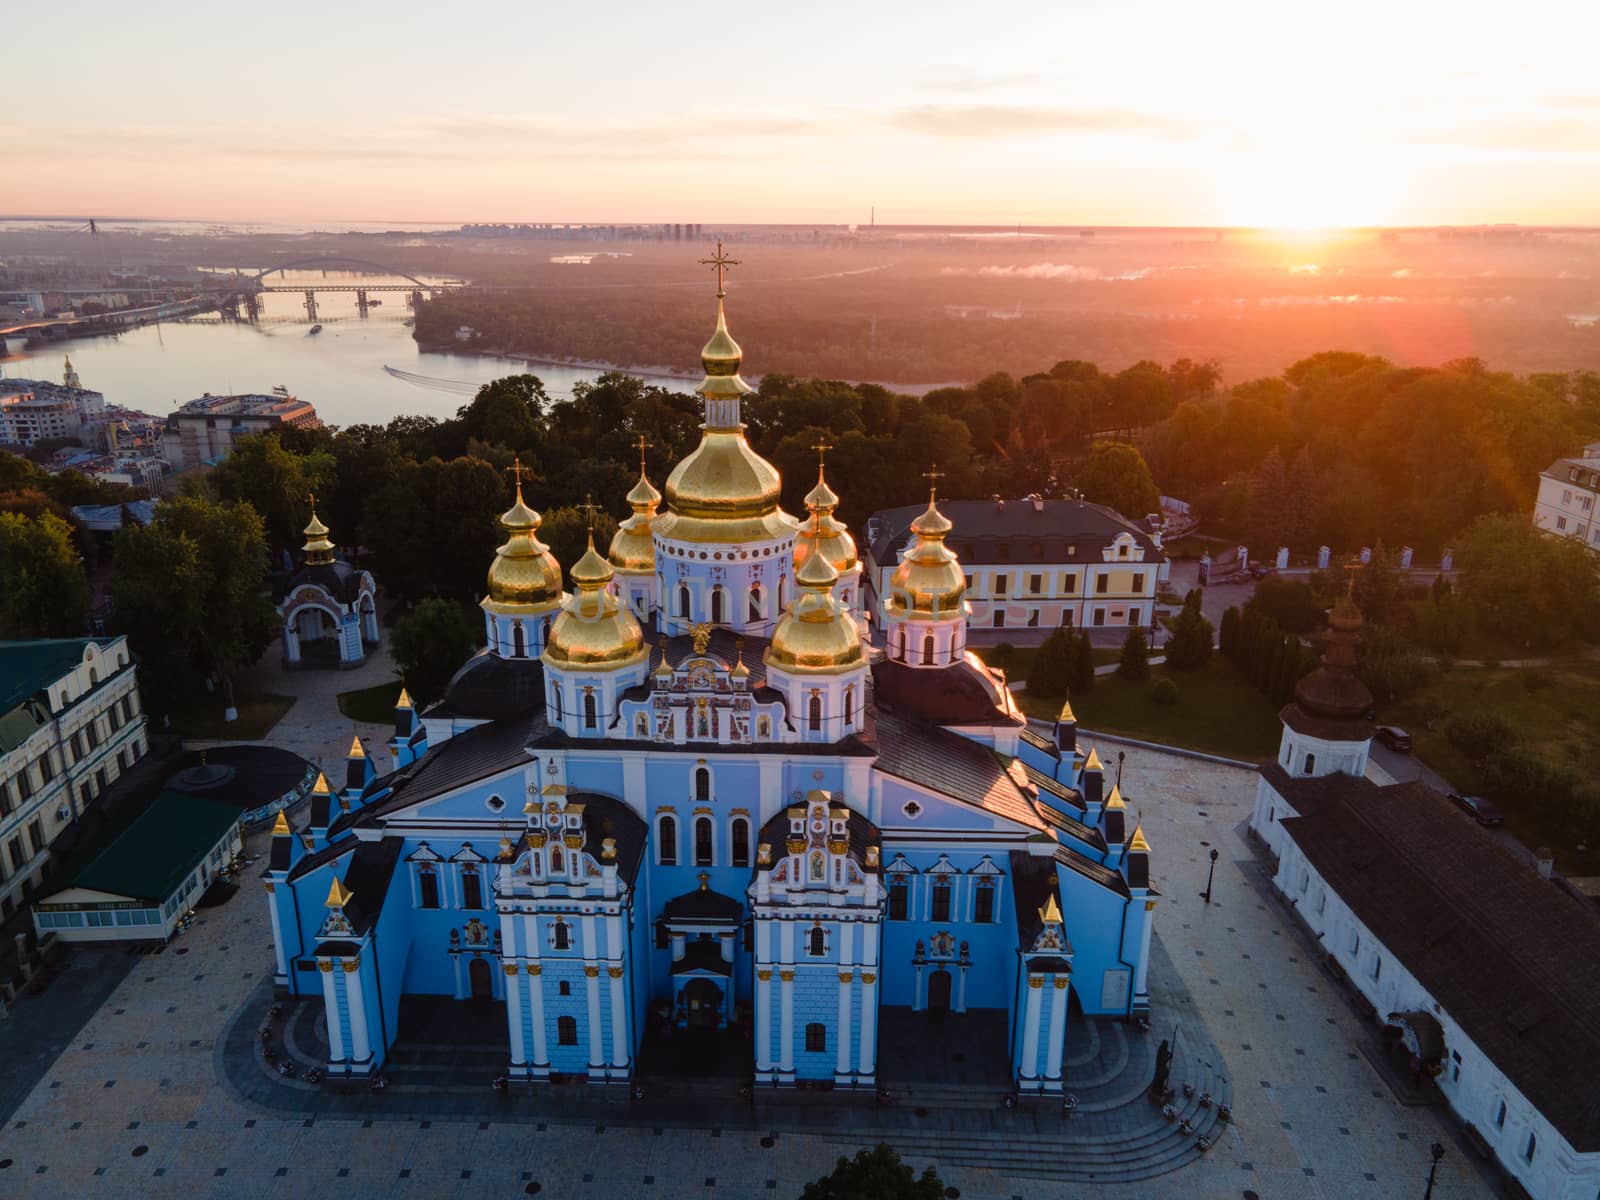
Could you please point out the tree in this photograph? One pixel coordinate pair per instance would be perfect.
(274, 481)
(1289, 602)
(1189, 646)
(876, 1174)
(44, 593)
(566, 532)
(430, 644)
(189, 590)
(1051, 672)
(1081, 677)
(1135, 661)
(1116, 475)
(1526, 582)
(1379, 591)
(508, 412)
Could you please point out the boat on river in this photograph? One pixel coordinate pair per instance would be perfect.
(315, 329)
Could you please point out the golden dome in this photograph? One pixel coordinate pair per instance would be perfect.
(829, 536)
(632, 548)
(929, 583)
(817, 635)
(524, 576)
(594, 631)
(724, 491)
(318, 549)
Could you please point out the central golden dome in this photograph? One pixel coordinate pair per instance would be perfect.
(524, 576)
(817, 635)
(594, 631)
(724, 491)
(929, 583)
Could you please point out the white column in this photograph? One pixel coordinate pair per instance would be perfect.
(786, 1021)
(1140, 981)
(867, 1062)
(355, 998)
(597, 1052)
(330, 1000)
(1030, 1028)
(916, 993)
(541, 1049)
(961, 989)
(763, 1019)
(619, 1022)
(1058, 1029)
(842, 1063)
(291, 643)
(514, 1014)
(280, 959)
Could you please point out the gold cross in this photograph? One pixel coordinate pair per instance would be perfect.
(822, 447)
(516, 470)
(719, 261)
(311, 499)
(933, 475)
(590, 508)
(643, 446)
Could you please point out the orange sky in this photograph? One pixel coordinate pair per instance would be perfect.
(1095, 112)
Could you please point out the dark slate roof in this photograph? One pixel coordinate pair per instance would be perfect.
(488, 687)
(1039, 742)
(951, 765)
(963, 693)
(1033, 881)
(607, 817)
(702, 956)
(1091, 870)
(724, 644)
(702, 905)
(332, 852)
(1333, 729)
(156, 853)
(1308, 795)
(1512, 958)
(982, 527)
(338, 578)
(367, 878)
(1057, 789)
(279, 851)
(1562, 468)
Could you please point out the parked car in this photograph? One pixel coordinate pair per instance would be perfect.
(1479, 809)
(1394, 737)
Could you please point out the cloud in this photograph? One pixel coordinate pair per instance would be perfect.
(1048, 270)
(1004, 120)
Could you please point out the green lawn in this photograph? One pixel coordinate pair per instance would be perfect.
(374, 705)
(1020, 662)
(1218, 711)
(1558, 717)
(258, 713)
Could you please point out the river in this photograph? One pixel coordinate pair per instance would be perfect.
(340, 370)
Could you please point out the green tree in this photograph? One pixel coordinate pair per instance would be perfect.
(1189, 646)
(189, 590)
(876, 1174)
(1081, 677)
(508, 412)
(44, 593)
(1051, 672)
(566, 532)
(1289, 602)
(1527, 583)
(274, 481)
(1135, 661)
(1116, 475)
(429, 645)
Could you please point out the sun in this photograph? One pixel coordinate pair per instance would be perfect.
(1307, 191)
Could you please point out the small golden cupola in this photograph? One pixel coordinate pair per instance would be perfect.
(524, 577)
(925, 612)
(633, 550)
(595, 632)
(724, 491)
(829, 535)
(817, 635)
(318, 549)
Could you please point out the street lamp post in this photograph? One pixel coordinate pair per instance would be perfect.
(1121, 758)
(1438, 1152)
(1210, 875)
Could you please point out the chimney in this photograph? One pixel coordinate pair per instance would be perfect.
(1545, 861)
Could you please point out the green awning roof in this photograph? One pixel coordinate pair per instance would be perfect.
(159, 850)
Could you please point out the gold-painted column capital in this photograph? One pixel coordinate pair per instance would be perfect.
(614, 972)
(1061, 983)
(351, 965)
(509, 968)
(1036, 981)
(786, 976)
(533, 969)
(868, 978)
(592, 972)
(847, 976)
(325, 966)
(765, 976)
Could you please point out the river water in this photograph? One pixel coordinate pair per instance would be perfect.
(340, 370)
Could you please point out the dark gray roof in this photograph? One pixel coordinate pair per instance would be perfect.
(1033, 881)
(963, 693)
(1058, 531)
(702, 956)
(338, 578)
(702, 905)
(1054, 787)
(1306, 794)
(859, 831)
(367, 879)
(607, 817)
(951, 765)
(1089, 869)
(488, 687)
(1039, 742)
(1510, 956)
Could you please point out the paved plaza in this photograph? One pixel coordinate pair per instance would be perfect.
(158, 1094)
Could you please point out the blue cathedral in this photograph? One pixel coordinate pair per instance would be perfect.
(691, 794)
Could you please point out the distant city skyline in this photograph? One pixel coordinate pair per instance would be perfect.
(1135, 113)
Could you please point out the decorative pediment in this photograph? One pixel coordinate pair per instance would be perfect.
(467, 854)
(423, 853)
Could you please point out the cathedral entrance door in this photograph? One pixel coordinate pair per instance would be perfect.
(478, 975)
(939, 991)
(703, 1000)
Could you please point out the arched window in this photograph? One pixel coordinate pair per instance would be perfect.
(667, 840)
(702, 785)
(494, 637)
(740, 837)
(590, 716)
(783, 591)
(683, 600)
(816, 714)
(941, 899)
(816, 1038)
(716, 606)
(849, 706)
(755, 602)
(983, 903)
(817, 942)
(1311, 763)
(561, 936)
(518, 648)
(555, 699)
(702, 841)
(927, 649)
(844, 597)
(428, 884)
(900, 644)
(899, 897)
(567, 1031)
(94, 676)
(471, 887)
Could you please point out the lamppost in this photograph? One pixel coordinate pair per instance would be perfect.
(1121, 756)
(1438, 1152)
(1211, 874)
